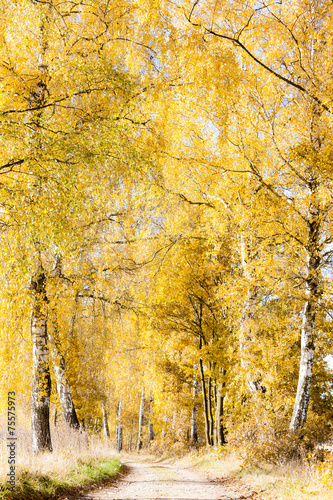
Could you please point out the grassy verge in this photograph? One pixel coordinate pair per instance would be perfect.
(293, 481)
(38, 486)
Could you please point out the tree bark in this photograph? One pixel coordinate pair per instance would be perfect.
(131, 437)
(63, 387)
(205, 406)
(249, 306)
(312, 282)
(309, 315)
(173, 427)
(219, 437)
(59, 366)
(305, 370)
(105, 421)
(119, 431)
(64, 392)
(150, 433)
(41, 384)
(210, 411)
(150, 424)
(194, 418)
(140, 433)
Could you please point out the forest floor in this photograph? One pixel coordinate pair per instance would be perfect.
(152, 481)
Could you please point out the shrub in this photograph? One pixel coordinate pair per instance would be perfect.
(259, 442)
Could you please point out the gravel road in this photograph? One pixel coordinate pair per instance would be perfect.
(144, 481)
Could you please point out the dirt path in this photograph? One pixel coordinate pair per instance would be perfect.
(152, 482)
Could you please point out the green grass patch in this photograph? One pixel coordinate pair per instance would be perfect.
(43, 486)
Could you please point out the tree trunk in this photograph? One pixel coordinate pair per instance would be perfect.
(130, 439)
(173, 427)
(205, 406)
(305, 370)
(65, 395)
(120, 438)
(219, 438)
(245, 336)
(97, 428)
(105, 421)
(150, 433)
(63, 388)
(210, 411)
(150, 424)
(59, 366)
(309, 315)
(140, 434)
(253, 380)
(194, 418)
(119, 431)
(41, 384)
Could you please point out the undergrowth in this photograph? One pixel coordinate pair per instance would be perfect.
(31, 485)
(78, 460)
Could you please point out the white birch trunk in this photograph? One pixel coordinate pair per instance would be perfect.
(219, 438)
(150, 433)
(150, 424)
(194, 417)
(309, 317)
(140, 433)
(119, 431)
(41, 383)
(305, 369)
(59, 366)
(173, 428)
(64, 393)
(105, 421)
(205, 406)
(312, 282)
(246, 321)
(210, 410)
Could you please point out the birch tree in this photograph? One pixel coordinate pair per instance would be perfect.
(41, 384)
(140, 426)
(58, 360)
(285, 45)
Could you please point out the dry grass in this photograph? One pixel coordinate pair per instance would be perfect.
(69, 448)
(87, 457)
(290, 482)
(293, 481)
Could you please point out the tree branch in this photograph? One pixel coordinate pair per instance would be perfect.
(256, 59)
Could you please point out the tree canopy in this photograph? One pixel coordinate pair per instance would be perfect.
(166, 217)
